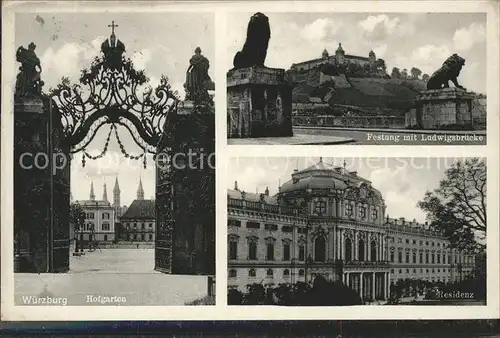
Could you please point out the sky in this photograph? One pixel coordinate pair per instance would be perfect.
(402, 181)
(159, 43)
(403, 40)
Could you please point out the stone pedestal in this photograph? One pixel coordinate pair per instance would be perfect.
(447, 108)
(259, 103)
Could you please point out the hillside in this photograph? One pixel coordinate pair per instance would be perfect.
(392, 94)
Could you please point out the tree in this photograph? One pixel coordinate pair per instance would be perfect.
(425, 77)
(76, 220)
(415, 73)
(395, 74)
(404, 74)
(458, 207)
(380, 63)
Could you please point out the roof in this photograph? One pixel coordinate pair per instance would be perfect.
(93, 203)
(347, 56)
(252, 197)
(140, 209)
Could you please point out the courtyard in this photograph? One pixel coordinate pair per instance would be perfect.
(124, 277)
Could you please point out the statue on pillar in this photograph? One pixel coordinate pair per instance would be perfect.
(198, 81)
(28, 81)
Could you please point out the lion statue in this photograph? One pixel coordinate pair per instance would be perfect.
(255, 48)
(448, 72)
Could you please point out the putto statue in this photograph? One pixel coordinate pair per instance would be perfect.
(255, 48)
(28, 80)
(198, 81)
(448, 72)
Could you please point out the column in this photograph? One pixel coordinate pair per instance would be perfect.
(361, 286)
(347, 279)
(355, 246)
(373, 286)
(387, 285)
(341, 249)
(331, 246)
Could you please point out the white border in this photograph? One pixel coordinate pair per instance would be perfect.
(221, 311)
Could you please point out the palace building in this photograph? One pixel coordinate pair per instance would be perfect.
(339, 58)
(331, 222)
(139, 220)
(100, 217)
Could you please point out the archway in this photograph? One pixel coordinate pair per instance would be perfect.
(108, 95)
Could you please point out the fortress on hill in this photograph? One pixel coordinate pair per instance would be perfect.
(339, 58)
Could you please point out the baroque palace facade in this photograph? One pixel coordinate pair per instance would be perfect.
(331, 222)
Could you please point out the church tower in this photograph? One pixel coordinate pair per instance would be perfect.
(92, 195)
(104, 193)
(116, 194)
(140, 191)
(340, 54)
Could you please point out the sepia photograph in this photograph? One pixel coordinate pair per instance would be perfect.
(114, 159)
(356, 78)
(356, 231)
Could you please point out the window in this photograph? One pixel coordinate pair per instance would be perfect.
(414, 242)
(286, 272)
(251, 273)
(301, 272)
(362, 212)
(400, 257)
(392, 256)
(269, 273)
(400, 240)
(361, 250)
(142, 237)
(253, 225)
(105, 238)
(105, 226)
(392, 270)
(373, 251)
(427, 270)
(150, 237)
(105, 215)
(407, 241)
(143, 226)
(286, 228)
(348, 209)
(233, 223)
(319, 249)
(444, 259)
(426, 258)
(270, 252)
(135, 237)
(407, 270)
(421, 243)
(232, 273)
(407, 257)
(432, 258)
(150, 225)
(286, 251)
(374, 214)
(427, 243)
(432, 243)
(135, 225)
(414, 257)
(414, 270)
(252, 251)
(438, 258)
(90, 215)
(320, 207)
(400, 271)
(271, 227)
(233, 248)
(302, 252)
(348, 250)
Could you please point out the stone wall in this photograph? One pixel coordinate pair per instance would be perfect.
(393, 122)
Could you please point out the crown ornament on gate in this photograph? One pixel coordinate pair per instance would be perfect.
(112, 92)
